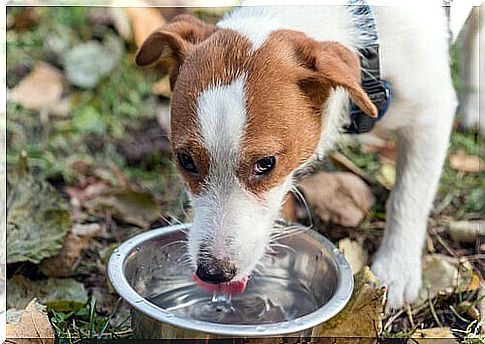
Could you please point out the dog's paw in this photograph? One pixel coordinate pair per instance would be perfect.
(401, 276)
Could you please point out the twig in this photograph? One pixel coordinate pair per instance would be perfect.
(453, 310)
(433, 311)
(410, 314)
(391, 319)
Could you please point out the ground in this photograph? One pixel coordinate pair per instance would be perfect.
(98, 141)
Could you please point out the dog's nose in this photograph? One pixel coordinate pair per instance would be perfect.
(215, 270)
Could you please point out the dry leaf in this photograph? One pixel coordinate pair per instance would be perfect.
(162, 87)
(82, 194)
(444, 274)
(42, 88)
(130, 206)
(58, 294)
(338, 197)
(163, 117)
(362, 317)
(144, 19)
(466, 163)
(355, 254)
(387, 175)
(436, 333)
(66, 261)
(33, 326)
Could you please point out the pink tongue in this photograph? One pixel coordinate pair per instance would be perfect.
(236, 287)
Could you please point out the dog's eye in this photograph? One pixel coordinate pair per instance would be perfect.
(264, 165)
(186, 162)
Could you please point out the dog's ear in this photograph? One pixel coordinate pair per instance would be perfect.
(326, 66)
(173, 40)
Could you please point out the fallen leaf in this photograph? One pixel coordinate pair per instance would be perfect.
(466, 163)
(42, 88)
(58, 294)
(436, 333)
(444, 274)
(32, 325)
(466, 231)
(338, 197)
(87, 63)
(37, 217)
(163, 117)
(355, 254)
(144, 19)
(130, 206)
(82, 194)
(66, 261)
(362, 316)
(387, 175)
(162, 87)
(121, 22)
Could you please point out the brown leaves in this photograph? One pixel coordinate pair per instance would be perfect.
(33, 325)
(338, 197)
(66, 261)
(362, 317)
(42, 88)
(466, 163)
(445, 275)
(354, 253)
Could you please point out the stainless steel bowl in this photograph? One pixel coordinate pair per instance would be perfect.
(138, 269)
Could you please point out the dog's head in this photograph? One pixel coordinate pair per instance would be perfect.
(243, 120)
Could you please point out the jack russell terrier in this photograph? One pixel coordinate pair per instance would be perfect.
(269, 89)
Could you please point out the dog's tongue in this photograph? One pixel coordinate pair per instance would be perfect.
(232, 288)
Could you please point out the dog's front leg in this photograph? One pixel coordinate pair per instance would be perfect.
(421, 153)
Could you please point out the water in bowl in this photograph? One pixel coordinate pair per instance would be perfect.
(267, 299)
(287, 284)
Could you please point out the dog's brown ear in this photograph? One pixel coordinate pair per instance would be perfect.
(328, 65)
(174, 41)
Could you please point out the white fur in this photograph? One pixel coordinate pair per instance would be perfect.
(232, 223)
(414, 58)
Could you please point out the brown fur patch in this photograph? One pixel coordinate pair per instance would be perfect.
(217, 61)
(289, 79)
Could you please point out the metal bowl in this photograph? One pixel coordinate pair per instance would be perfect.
(138, 269)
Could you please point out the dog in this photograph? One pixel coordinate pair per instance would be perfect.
(265, 93)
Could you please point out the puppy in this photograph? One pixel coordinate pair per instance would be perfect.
(266, 91)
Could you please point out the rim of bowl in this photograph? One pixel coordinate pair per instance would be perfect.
(331, 308)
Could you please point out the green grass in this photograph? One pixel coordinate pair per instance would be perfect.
(86, 323)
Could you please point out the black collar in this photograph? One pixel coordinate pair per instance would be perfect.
(378, 90)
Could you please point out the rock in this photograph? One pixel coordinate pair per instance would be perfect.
(86, 64)
(58, 294)
(355, 254)
(466, 231)
(338, 197)
(31, 324)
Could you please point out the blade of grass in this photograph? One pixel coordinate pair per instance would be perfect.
(92, 311)
(433, 311)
